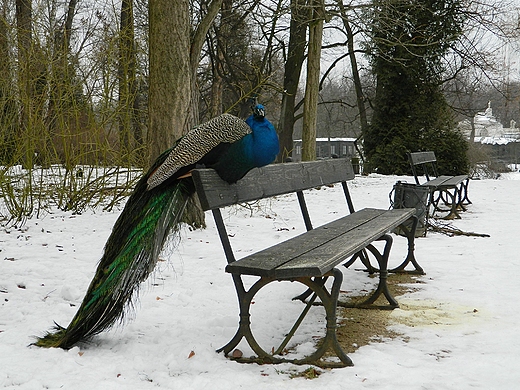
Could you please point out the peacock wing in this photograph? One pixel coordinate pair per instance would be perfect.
(191, 148)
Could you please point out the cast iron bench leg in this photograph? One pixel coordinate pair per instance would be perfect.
(363, 256)
(453, 214)
(464, 192)
(329, 301)
(410, 257)
(382, 287)
(330, 341)
(434, 201)
(307, 293)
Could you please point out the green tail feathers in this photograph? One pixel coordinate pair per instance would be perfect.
(130, 255)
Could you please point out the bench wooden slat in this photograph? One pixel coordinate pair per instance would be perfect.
(269, 181)
(327, 256)
(436, 182)
(318, 251)
(422, 157)
(453, 181)
(445, 181)
(270, 258)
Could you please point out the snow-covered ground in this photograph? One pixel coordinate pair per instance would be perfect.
(461, 327)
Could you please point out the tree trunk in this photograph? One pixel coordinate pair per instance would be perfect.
(197, 41)
(127, 85)
(310, 109)
(360, 98)
(222, 33)
(174, 58)
(61, 90)
(170, 74)
(173, 98)
(217, 87)
(24, 37)
(8, 112)
(293, 68)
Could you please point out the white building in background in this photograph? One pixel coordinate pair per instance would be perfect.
(328, 148)
(501, 143)
(489, 131)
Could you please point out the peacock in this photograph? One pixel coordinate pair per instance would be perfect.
(155, 209)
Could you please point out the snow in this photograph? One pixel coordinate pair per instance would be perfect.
(459, 325)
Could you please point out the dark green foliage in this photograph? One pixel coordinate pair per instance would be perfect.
(450, 148)
(409, 40)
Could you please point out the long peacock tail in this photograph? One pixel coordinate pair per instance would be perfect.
(130, 255)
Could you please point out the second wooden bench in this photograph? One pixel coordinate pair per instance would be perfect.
(451, 190)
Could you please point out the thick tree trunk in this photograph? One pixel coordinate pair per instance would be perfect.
(310, 109)
(170, 74)
(293, 68)
(174, 57)
(360, 97)
(128, 123)
(24, 37)
(8, 112)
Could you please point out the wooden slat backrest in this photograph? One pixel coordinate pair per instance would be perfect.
(422, 157)
(425, 163)
(271, 180)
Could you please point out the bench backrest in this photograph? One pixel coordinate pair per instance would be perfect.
(422, 157)
(265, 182)
(423, 163)
(268, 181)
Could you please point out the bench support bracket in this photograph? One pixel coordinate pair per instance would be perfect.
(329, 342)
(410, 257)
(382, 287)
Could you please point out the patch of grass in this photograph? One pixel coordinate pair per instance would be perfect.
(358, 327)
(309, 373)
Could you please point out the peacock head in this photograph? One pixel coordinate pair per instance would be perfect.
(259, 111)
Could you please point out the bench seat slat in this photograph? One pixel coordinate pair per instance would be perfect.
(270, 258)
(445, 181)
(353, 240)
(435, 182)
(319, 250)
(454, 181)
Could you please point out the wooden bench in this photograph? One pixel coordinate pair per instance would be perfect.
(309, 258)
(451, 190)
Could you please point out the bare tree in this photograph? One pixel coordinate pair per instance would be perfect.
(356, 78)
(130, 137)
(25, 76)
(61, 111)
(174, 52)
(292, 73)
(310, 109)
(8, 116)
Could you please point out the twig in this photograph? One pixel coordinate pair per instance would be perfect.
(450, 230)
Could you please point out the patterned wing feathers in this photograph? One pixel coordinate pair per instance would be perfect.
(225, 128)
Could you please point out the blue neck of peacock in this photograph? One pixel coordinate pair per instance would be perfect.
(265, 145)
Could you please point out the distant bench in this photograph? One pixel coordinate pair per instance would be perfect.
(451, 190)
(309, 258)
